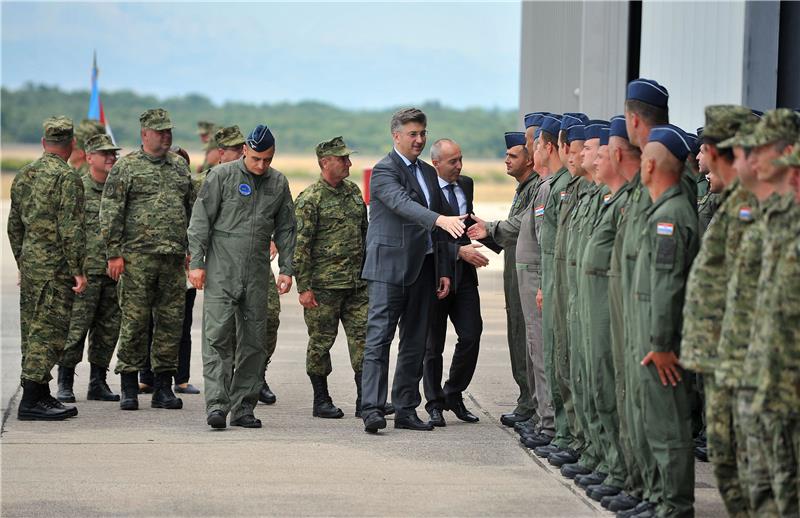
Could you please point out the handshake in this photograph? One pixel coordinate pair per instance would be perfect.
(454, 225)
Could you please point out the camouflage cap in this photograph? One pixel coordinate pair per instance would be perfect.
(333, 147)
(742, 136)
(156, 119)
(229, 136)
(204, 127)
(210, 144)
(57, 129)
(100, 142)
(724, 120)
(86, 130)
(790, 160)
(780, 124)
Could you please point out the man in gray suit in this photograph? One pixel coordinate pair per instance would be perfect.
(405, 257)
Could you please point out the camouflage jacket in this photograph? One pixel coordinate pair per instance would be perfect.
(46, 221)
(146, 205)
(776, 333)
(95, 246)
(708, 280)
(706, 207)
(331, 233)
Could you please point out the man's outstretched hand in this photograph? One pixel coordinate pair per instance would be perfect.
(478, 230)
(453, 225)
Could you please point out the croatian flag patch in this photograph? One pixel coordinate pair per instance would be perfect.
(665, 229)
(538, 211)
(563, 195)
(745, 214)
(607, 198)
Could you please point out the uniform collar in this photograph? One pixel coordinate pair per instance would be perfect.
(53, 155)
(673, 191)
(330, 187)
(534, 175)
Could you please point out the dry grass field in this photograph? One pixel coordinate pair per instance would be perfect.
(493, 185)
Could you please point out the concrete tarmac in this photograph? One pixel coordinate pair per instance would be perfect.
(107, 462)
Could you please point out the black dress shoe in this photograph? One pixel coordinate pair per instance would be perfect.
(573, 470)
(567, 456)
(592, 479)
(412, 422)
(545, 451)
(247, 421)
(266, 396)
(530, 424)
(621, 502)
(374, 422)
(601, 491)
(642, 507)
(216, 419)
(388, 409)
(437, 419)
(513, 417)
(535, 441)
(461, 412)
(188, 389)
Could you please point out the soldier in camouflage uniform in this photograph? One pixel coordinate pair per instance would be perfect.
(707, 198)
(144, 213)
(238, 208)
(206, 131)
(95, 311)
(85, 130)
(45, 228)
(331, 228)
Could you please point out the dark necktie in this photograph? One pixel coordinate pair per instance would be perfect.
(451, 198)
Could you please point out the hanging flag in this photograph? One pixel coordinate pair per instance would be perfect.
(95, 104)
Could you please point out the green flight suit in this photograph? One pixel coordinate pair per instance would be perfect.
(667, 245)
(234, 217)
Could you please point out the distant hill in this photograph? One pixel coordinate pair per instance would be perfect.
(298, 126)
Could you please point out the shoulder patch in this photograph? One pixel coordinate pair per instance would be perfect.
(606, 198)
(538, 211)
(745, 213)
(563, 195)
(665, 229)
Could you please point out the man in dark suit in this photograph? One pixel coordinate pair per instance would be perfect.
(402, 269)
(462, 305)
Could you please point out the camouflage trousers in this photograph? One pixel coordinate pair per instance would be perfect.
(346, 305)
(273, 316)
(48, 327)
(27, 306)
(152, 285)
(727, 449)
(757, 479)
(781, 447)
(95, 312)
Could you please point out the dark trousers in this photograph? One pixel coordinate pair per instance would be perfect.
(184, 351)
(464, 310)
(388, 305)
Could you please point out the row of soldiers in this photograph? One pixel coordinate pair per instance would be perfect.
(632, 289)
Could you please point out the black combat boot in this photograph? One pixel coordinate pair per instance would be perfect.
(71, 410)
(130, 391)
(98, 388)
(66, 377)
(163, 397)
(357, 378)
(323, 405)
(35, 404)
(265, 395)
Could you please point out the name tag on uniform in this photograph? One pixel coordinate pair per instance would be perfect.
(538, 211)
(745, 214)
(665, 229)
(245, 189)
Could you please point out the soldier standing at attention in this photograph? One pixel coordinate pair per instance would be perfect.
(144, 213)
(95, 311)
(331, 229)
(85, 130)
(45, 228)
(205, 130)
(238, 208)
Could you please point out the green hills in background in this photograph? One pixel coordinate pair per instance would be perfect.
(298, 127)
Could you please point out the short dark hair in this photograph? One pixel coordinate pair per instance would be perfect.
(562, 137)
(405, 116)
(652, 115)
(547, 138)
(726, 153)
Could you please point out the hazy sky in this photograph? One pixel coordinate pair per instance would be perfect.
(356, 55)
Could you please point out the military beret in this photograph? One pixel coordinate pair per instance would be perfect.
(780, 124)
(551, 124)
(647, 91)
(57, 129)
(673, 138)
(204, 127)
(617, 127)
(514, 138)
(333, 147)
(790, 160)
(724, 120)
(156, 119)
(100, 142)
(260, 139)
(592, 128)
(575, 132)
(86, 130)
(229, 136)
(694, 143)
(534, 119)
(605, 133)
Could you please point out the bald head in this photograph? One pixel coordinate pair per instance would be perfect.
(446, 159)
(660, 169)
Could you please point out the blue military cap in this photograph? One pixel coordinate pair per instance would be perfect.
(582, 116)
(618, 128)
(575, 132)
(592, 128)
(647, 91)
(673, 138)
(260, 139)
(605, 132)
(537, 133)
(571, 119)
(694, 143)
(551, 124)
(534, 119)
(514, 138)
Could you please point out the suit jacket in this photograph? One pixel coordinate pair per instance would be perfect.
(400, 223)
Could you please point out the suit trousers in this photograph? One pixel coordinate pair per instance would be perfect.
(464, 309)
(388, 305)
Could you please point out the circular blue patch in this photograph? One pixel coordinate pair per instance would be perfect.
(244, 189)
